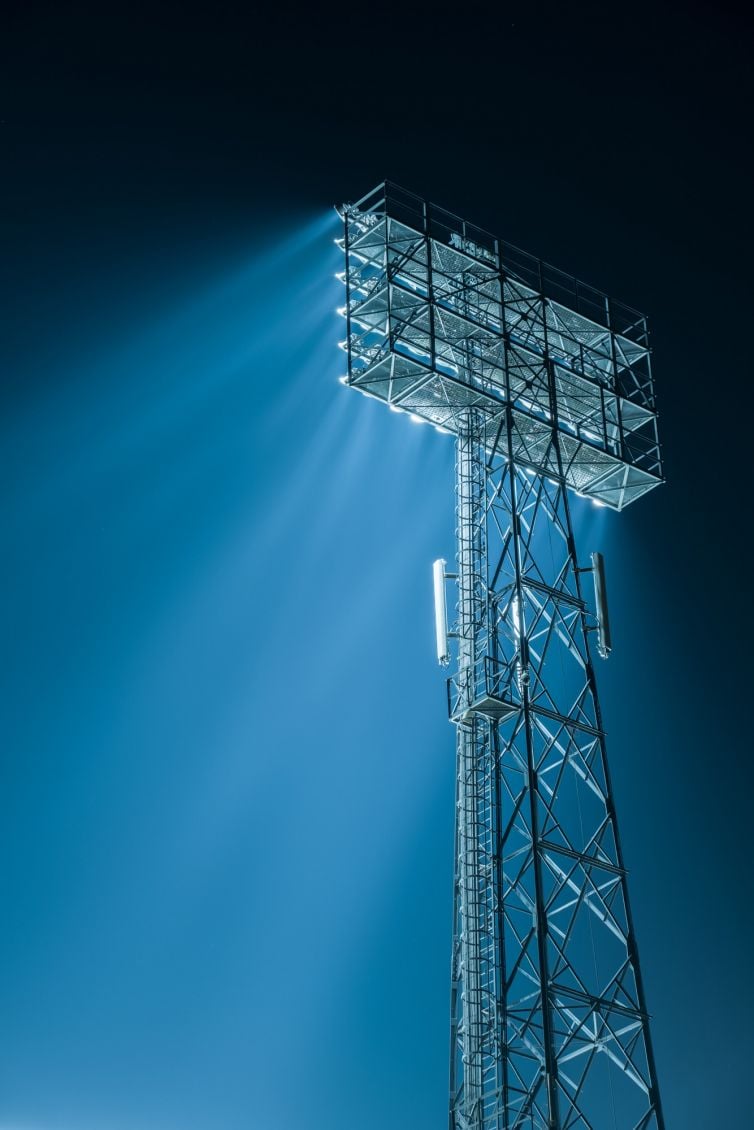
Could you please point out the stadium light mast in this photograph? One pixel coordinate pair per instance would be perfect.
(546, 384)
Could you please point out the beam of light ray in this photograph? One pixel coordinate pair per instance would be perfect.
(161, 377)
(151, 698)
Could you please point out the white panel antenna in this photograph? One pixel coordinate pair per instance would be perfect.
(441, 613)
(604, 638)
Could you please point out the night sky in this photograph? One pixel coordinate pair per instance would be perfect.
(227, 773)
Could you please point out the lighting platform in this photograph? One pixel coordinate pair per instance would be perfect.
(443, 316)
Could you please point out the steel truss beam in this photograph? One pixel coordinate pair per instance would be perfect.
(441, 315)
(549, 1026)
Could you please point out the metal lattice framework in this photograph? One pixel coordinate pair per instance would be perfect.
(549, 1027)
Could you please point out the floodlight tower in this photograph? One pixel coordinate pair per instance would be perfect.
(546, 384)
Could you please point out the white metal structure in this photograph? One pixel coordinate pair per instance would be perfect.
(546, 385)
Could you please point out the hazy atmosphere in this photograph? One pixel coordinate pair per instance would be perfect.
(227, 803)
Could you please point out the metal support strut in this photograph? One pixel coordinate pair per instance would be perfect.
(549, 1028)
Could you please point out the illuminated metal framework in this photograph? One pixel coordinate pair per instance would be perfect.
(547, 386)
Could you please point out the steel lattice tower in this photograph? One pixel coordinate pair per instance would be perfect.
(547, 386)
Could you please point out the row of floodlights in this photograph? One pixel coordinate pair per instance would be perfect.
(342, 311)
(411, 415)
(447, 432)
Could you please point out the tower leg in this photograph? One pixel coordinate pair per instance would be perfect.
(477, 1052)
(549, 1026)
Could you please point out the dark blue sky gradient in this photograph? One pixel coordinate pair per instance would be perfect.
(227, 803)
